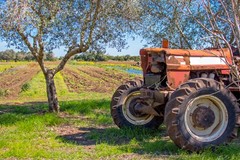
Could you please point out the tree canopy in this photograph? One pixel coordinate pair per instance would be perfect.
(192, 24)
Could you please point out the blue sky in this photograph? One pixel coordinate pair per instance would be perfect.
(133, 48)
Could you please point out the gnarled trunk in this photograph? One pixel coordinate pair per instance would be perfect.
(51, 91)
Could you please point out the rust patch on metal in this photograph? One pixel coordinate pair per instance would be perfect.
(187, 60)
(175, 78)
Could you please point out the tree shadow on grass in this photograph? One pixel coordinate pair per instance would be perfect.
(11, 114)
(25, 108)
(82, 107)
(140, 141)
(148, 141)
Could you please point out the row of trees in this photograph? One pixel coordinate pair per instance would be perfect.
(11, 55)
(39, 26)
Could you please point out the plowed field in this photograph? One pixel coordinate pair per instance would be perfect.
(76, 78)
(13, 79)
(92, 79)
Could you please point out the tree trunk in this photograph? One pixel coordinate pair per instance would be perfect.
(51, 92)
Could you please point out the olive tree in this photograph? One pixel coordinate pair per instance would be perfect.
(166, 19)
(219, 19)
(79, 25)
(179, 20)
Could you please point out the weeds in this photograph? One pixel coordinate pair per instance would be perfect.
(3, 92)
(25, 87)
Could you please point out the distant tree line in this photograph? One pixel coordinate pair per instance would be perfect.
(97, 56)
(11, 55)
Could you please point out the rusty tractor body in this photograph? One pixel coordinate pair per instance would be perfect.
(192, 91)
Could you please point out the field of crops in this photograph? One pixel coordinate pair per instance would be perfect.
(84, 128)
(24, 82)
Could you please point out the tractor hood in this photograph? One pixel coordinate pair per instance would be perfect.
(182, 59)
(179, 63)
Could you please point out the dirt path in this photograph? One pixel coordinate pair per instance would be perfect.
(11, 80)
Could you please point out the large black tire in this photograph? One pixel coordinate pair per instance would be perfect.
(123, 99)
(201, 113)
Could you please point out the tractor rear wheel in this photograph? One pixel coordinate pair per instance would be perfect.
(123, 104)
(201, 113)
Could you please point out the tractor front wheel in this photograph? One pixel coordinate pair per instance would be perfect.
(124, 102)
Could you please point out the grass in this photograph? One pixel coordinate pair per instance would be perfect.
(83, 130)
(38, 89)
(3, 92)
(25, 87)
(29, 132)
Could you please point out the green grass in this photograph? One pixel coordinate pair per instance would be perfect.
(37, 91)
(27, 135)
(29, 132)
(25, 87)
(3, 92)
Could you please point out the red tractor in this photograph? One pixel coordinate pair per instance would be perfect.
(193, 91)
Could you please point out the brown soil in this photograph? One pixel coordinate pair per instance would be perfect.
(102, 74)
(93, 79)
(12, 79)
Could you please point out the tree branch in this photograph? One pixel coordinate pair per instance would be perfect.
(236, 21)
(28, 44)
(183, 35)
(31, 48)
(69, 54)
(94, 22)
(85, 25)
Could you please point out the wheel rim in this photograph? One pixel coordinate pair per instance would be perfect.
(128, 107)
(206, 118)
